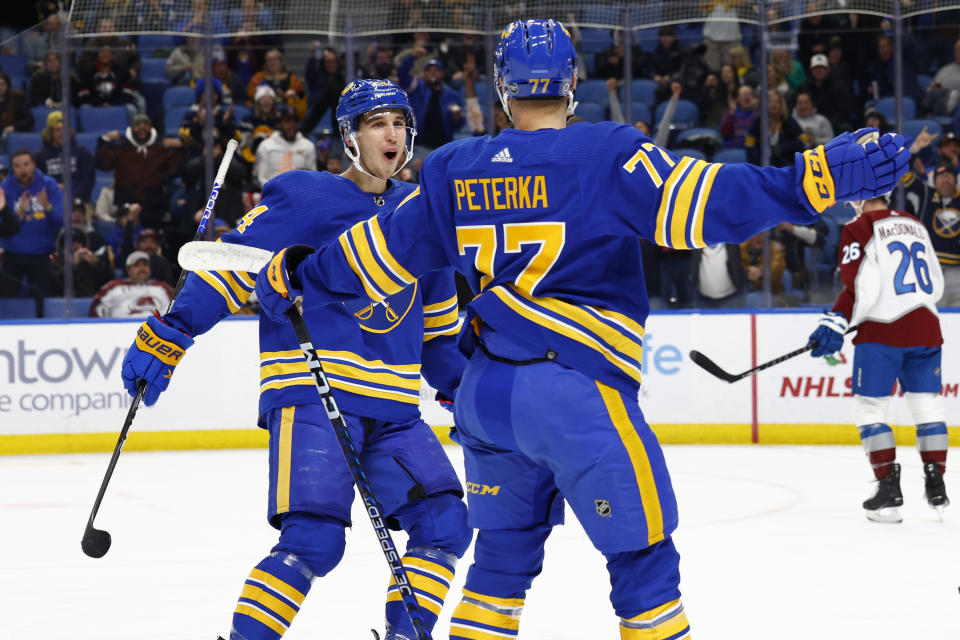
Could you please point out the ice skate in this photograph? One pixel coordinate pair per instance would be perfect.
(885, 504)
(935, 490)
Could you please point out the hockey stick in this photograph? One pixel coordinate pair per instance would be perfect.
(222, 256)
(714, 369)
(373, 508)
(96, 542)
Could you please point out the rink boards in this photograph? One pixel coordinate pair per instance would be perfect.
(61, 389)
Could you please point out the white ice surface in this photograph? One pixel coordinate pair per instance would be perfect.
(772, 538)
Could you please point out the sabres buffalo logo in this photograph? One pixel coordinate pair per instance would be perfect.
(946, 223)
(381, 317)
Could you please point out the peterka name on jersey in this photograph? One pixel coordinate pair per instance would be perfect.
(501, 194)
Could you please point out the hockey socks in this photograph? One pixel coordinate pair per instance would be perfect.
(482, 617)
(430, 572)
(932, 444)
(271, 597)
(880, 446)
(666, 622)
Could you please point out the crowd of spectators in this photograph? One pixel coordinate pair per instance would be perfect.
(142, 187)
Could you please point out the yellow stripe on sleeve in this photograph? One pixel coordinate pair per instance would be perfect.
(278, 585)
(372, 293)
(246, 279)
(370, 265)
(380, 244)
(284, 455)
(432, 322)
(697, 226)
(638, 457)
(220, 288)
(666, 200)
(362, 375)
(681, 206)
(440, 306)
(241, 293)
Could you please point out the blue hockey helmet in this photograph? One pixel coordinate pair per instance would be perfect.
(535, 59)
(365, 96)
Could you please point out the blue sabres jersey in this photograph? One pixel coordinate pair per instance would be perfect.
(371, 351)
(545, 224)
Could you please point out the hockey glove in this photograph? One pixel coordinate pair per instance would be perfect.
(852, 166)
(277, 285)
(827, 338)
(153, 357)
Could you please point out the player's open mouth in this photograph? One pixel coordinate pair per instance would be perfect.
(390, 155)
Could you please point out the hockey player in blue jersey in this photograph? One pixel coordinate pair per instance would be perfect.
(543, 220)
(372, 354)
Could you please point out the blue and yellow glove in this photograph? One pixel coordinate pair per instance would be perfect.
(828, 336)
(152, 358)
(277, 285)
(851, 167)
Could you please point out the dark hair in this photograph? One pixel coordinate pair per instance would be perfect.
(6, 78)
(21, 152)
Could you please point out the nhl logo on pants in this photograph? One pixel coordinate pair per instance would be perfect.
(603, 507)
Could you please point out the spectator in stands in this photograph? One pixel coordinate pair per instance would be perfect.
(195, 21)
(108, 84)
(839, 68)
(9, 222)
(609, 62)
(778, 82)
(877, 120)
(784, 134)
(127, 228)
(737, 122)
(37, 42)
(667, 57)
(125, 55)
(149, 242)
(230, 202)
(740, 61)
(186, 62)
(14, 113)
(246, 52)
(455, 49)
(666, 120)
(380, 64)
(718, 276)
(285, 150)
(142, 164)
(721, 32)
(261, 123)
(38, 204)
(50, 158)
(791, 69)
(334, 164)
(436, 106)
(90, 270)
(817, 29)
(882, 74)
(830, 97)
(288, 87)
(224, 125)
(943, 93)
(796, 239)
(80, 218)
(817, 129)
(751, 258)
(421, 50)
(937, 207)
(136, 296)
(719, 95)
(326, 81)
(234, 87)
(45, 86)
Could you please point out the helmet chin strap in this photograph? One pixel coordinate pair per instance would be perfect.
(355, 157)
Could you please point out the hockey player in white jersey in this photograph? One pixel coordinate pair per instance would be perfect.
(892, 282)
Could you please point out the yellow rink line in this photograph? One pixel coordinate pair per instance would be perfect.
(257, 438)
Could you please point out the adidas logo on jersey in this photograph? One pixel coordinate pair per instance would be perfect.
(502, 156)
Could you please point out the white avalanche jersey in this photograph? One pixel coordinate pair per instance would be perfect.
(899, 271)
(122, 299)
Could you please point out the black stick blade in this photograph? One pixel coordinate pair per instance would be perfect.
(95, 542)
(711, 367)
